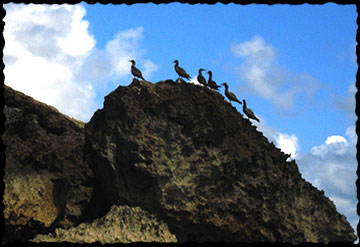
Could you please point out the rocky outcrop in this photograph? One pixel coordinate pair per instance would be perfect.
(47, 182)
(176, 159)
(121, 224)
(183, 153)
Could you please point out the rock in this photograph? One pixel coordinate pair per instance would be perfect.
(47, 182)
(183, 153)
(28, 201)
(180, 163)
(121, 224)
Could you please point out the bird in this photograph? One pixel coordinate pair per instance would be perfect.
(181, 72)
(201, 78)
(248, 112)
(231, 96)
(135, 71)
(211, 83)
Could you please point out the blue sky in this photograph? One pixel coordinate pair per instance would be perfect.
(295, 66)
(309, 39)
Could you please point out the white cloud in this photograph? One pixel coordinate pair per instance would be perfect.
(335, 139)
(259, 58)
(261, 75)
(346, 102)
(50, 55)
(257, 51)
(149, 68)
(96, 67)
(332, 167)
(288, 144)
(351, 134)
(123, 48)
(112, 63)
(333, 145)
(343, 203)
(352, 89)
(77, 41)
(37, 39)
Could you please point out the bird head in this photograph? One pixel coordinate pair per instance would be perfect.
(244, 102)
(175, 61)
(209, 72)
(201, 70)
(225, 84)
(132, 61)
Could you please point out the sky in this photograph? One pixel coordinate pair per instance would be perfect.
(294, 64)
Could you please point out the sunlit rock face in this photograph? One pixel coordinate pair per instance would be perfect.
(47, 182)
(122, 224)
(183, 153)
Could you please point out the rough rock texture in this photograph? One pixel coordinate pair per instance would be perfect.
(20, 199)
(181, 161)
(121, 224)
(182, 152)
(47, 181)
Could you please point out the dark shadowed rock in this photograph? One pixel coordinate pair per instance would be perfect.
(185, 154)
(47, 182)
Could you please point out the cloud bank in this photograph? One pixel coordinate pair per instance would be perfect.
(261, 75)
(331, 167)
(346, 102)
(43, 50)
(55, 60)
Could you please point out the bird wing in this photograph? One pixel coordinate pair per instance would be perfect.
(137, 72)
(251, 114)
(214, 85)
(201, 79)
(232, 95)
(182, 72)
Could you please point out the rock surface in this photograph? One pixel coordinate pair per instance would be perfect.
(183, 153)
(179, 161)
(121, 224)
(47, 182)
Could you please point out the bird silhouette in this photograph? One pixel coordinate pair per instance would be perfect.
(201, 78)
(248, 112)
(231, 96)
(211, 83)
(180, 71)
(135, 71)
